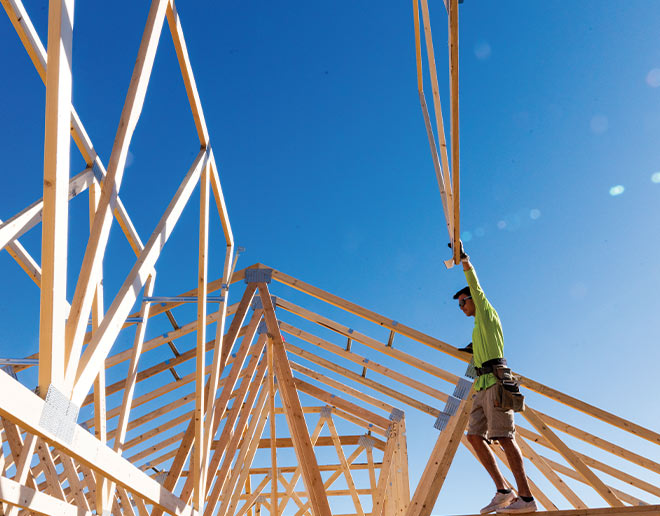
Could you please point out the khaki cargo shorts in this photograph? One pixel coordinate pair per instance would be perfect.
(487, 420)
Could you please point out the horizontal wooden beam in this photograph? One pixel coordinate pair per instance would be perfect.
(22, 406)
(643, 510)
(21, 496)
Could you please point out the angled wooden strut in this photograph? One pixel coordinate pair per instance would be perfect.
(293, 410)
(436, 470)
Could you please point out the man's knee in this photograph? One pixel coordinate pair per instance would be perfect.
(476, 440)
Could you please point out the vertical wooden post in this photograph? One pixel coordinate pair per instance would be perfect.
(102, 492)
(293, 411)
(273, 435)
(56, 196)
(455, 155)
(202, 292)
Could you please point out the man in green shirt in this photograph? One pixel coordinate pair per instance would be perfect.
(488, 421)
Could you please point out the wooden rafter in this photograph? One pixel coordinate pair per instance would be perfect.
(208, 426)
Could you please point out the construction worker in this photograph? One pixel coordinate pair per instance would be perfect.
(488, 421)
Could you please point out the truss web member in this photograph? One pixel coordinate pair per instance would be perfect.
(488, 421)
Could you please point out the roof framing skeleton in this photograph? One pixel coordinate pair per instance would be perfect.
(271, 377)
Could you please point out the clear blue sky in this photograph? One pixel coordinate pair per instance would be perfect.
(315, 122)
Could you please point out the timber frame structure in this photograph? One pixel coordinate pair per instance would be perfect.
(210, 441)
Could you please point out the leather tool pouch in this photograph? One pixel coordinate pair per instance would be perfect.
(509, 394)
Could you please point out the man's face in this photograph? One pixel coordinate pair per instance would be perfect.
(466, 304)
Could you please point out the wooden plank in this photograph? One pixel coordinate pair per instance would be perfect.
(97, 350)
(293, 411)
(354, 393)
(131, 375)
(16, 447)
(271, 419)
(229, 441)
(23, 466)
(108, 490)
(75, 485)
(240, 414)
(603, 444)
(436, 470)
(253, 433)
(220, 203)
(336, 401)
(645, 510)
(34, 501)
(54, 233)
(437, 106)
(571, 458)
(16, 226)
(371, 365)
(454, 132)
(252, 497)
(549, 473)
(379, 497)
(181, 49)
(593, 463)
(199, 451)
(223, 400)
(26, 262)
(427, 123)
(434, 343)
(298, 470)
(332, 478)
(19, 404)
(368, 341)
(53, 484)
(222, 349)
(345, 467)
(218, 347)
(93, 258)
(356, 309)
(37, 53)
(368, 382)
(402, 451)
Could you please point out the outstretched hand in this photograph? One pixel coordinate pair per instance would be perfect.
(465, 258)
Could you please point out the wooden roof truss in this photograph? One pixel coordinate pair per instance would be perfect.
(203, 418)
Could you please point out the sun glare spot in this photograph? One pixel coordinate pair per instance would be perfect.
(653, 78)
(617, 190)
(656, 177)
(466, 236)
(534, 214)
(482, 50)
(599, 124)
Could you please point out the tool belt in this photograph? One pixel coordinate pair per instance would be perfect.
(508, 387)
(490, 365)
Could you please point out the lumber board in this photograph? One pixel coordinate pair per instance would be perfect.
(22, 496)
(54, 235)
(19, 404)
(293, 411)
(95, 250)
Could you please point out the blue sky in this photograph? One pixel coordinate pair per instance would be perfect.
(316, 127)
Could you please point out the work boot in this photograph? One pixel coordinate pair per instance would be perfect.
(499, 500)
(518, 506)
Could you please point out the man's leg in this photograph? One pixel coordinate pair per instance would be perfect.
(515, 459)
(487, 459)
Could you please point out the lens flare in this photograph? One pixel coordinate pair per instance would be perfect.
(656, 177)
(653, 78)
(617, 190)
(534, 214)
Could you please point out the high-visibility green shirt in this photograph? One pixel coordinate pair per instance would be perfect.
(487, 338)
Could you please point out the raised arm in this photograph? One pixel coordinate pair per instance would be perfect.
(478, 297)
